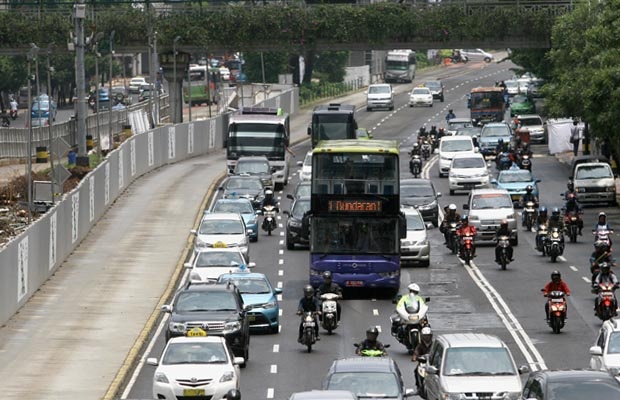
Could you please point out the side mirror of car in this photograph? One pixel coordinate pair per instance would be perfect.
(309, 130)
(356, 345)
(193, 231)
(152, 361)
(493, 181)
(524, 369)
(290, 196)
(422, 359)
(438, 194)
(251, 265)
(430, 369)
(300, 163)
(386, 346)
(409, 392)
(465, 206)
(187, 265)
(166, 308)
(277, 290)
(427, 299)
(537, 180)
(287, 213)
(596, 351)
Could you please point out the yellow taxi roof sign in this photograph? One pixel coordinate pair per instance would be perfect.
(196, 332)
(220, 245)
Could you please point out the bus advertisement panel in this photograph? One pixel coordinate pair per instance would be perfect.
(355, 219)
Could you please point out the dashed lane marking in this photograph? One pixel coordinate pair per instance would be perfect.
(585, 278)
(280, 262)
(281, 272)
(561, 258)
(276, 348)
(375, 312)
(270, 393)
(274, 368)
(279, 285)
(573, 268)
(280, 252)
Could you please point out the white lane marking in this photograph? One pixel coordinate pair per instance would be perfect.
(274, 368)
(280, 252)
(281, 233)
(379, 328)
(280, 262)
(513, 326)
(276, 348)
(281, 242)
(279, 285)
(585, 278)
(561, 258)
(270, 393)
(375, 312)
(279, 297)
(281, 272)
(573, 268)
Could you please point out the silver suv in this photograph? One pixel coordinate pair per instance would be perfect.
(471, 366)
(487, 208)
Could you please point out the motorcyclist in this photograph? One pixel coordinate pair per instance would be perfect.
(600, 255)
(269, 200)
(422, 349)
(408, 300)
(499, 148)
(422, 132)
(450, 216)
(570, 188)
(328, 286)
(503, 230)
(371, 342)
(441, 133)
(233, 394)
(465, 229)
(602, 225)
(541, 219)
(572, 206)
(415, 150)
(450, 115)
(528, 196)
(433, 130)
(556, 284)
(556, 220)
(309, 303)
(606, 275)
(13, 104)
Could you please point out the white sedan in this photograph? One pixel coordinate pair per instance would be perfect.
(468, 171)
(421, 96)
(195, 366)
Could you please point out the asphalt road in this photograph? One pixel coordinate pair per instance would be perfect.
(480, 298)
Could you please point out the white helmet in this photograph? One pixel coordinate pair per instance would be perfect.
(268, 192)
(426, 331)
(414, 288)
(452, 207)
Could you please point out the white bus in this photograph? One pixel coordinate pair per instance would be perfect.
(400, 66)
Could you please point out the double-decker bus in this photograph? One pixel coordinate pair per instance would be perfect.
(400, 66)
(355, 221)
(257, 131)
(203, 86)
(332, 121)
(486, 104)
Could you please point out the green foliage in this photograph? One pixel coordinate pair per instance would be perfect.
(311, 92)
(275, 63)
(329, 66)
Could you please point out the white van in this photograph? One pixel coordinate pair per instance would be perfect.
(594, 183)
(451, 145)
(380, 95)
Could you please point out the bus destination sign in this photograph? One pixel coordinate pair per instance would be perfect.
(353, 205)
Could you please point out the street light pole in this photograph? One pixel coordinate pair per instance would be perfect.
(32, 55)
(175, 80)
(110, 134)
(50, 120)
(97, 55)
(80, 83)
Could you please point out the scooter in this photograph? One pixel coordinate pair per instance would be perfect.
(504, 244)
(269, 219)
(571, 221)
(426, 149)
(420, 375)
(556, 301)
(453, 243)
(526, 162)
(467, 248)
(415, 165)
(541, 242)
(371, 352)
(308, 338)
(13, 114)
(554, 245)
(529, 215)
(329, 311)
(606, 308)
(406, 327)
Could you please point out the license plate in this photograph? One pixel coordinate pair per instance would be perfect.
(193, 392)
(354, 283)
(251, 318)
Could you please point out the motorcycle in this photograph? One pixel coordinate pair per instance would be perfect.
(433, 142)
(415, 165)
(557, 310)
(526, 162)
(453, 244)
(571, 221)
(541, 242)
(6, 122)
(13, 114)
(308, 338)
(466, 248)
(504, 244)
(329, 311)
(406, 327)
(529, 215)
(269, 219)
(606, 307)
(426, 149)
(504, 162)
(554, 245)
(371, 352)
(420, 375)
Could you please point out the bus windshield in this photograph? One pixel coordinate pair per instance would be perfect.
(257, 139)
(484, 100)
(333, 126)
(354, 235)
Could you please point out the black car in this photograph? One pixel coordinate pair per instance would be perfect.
(576, 384)
(247, 187)
(436, 88)
(421, 194)
(296, 233)
(215, 308)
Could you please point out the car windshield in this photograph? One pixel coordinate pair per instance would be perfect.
(453, 125)
(495, 131)
(300, 208)
(379, 89)
(417, 191)
(244, 184)
(207, 259)
(456, 145)
(575, 390)
(593, 172)
(420, 91)
(240, 207)
(205, 300)
(474, 162)
(45, 105)
(486, 361)
(221, 227)
(433, 85)
(302, 190)
(511, 84)
(253, 167)
(248, 285)
(414, 222)
(613, 347)
(530, 121)
(365, 384)
(515, 176)
(308, 160)
(194, 353)
(490, 201)
(519, 99)
(468, 131)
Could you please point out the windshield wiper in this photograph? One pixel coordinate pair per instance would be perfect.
(375, 396)
(484, 208)
(224, 309)
(199, 310)
(501, 373)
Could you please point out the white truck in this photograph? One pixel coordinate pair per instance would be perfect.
(400, 66)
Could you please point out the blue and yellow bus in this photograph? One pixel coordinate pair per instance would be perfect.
(355, 220)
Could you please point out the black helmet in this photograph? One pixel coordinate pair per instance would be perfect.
(327, 275)
(450, 111)
(556, 276)
(555, 211)
(500, 140)
(504, 223)
(542, 211)
(372, 333)
(529, 189)
(233, 394)
(465, 219)
(605, 268)
(308, 291)
(570, 185)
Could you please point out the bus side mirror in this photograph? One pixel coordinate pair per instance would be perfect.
(402, 226)
(309, 130)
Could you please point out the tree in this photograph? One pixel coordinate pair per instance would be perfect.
(275, 63)
(330, 66)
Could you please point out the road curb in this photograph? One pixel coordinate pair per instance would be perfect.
(133, 356)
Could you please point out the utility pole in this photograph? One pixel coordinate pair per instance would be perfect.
(50, 120)
(110, 134)
(32, 55)
(80, 83)
(176, 117)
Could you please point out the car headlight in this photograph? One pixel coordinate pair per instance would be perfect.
(428, 206)
(423, 243)
(445, 158)
(271, 304)
(200, 243)
(294, 223)
(231, 326)
(512, 396)
(611, 188)
(177, 327)
(407, 243)
(474, 218)
(580, 190)
(160, 377)
(510, 216)
(253, 221)
(454, 396)
(314, 272)
(227, 376)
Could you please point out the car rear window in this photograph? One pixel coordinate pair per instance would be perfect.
(456, 145)
(474, 162)
(495, 131)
